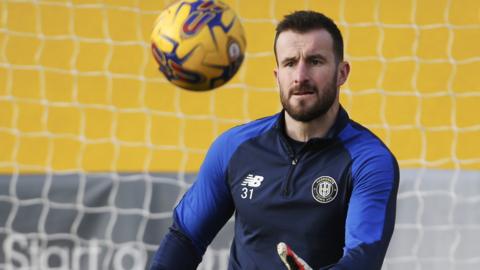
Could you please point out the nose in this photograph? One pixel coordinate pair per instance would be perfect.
(301, 73)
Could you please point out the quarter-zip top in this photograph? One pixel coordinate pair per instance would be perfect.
(333, 202)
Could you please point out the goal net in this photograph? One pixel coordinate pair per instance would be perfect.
(96, 147)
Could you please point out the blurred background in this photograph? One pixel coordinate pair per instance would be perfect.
(96, 147)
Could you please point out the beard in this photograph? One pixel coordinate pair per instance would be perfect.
(302, 111)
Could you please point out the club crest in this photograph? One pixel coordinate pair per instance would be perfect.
(324, 189)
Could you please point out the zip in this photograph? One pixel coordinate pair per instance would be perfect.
(294, 161)
(286, 190)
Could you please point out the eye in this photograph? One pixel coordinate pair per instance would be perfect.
(315, 61)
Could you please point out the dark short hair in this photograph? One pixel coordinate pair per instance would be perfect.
(306, 20)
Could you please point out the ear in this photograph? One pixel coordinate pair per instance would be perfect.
(343, 71)
(275, 74)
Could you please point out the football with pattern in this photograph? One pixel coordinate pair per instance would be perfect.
(198, 45)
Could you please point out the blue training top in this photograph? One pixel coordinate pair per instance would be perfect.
(333, 201)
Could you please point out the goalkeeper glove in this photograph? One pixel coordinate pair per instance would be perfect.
(290, 259)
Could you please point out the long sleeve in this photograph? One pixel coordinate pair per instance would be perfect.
(200, 214)
(371, 213)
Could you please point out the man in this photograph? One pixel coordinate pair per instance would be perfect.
(307, 181)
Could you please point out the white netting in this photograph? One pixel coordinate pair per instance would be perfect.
(97, 147)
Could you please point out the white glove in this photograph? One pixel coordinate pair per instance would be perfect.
(290, 259)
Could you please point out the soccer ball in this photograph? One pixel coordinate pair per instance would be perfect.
(198, 45)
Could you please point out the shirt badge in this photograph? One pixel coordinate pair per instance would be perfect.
(324, 189)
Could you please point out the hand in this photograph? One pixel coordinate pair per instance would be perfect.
(290, 259)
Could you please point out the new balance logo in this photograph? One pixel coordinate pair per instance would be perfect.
(252, 180)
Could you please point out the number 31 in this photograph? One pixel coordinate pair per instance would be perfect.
(247, 193)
